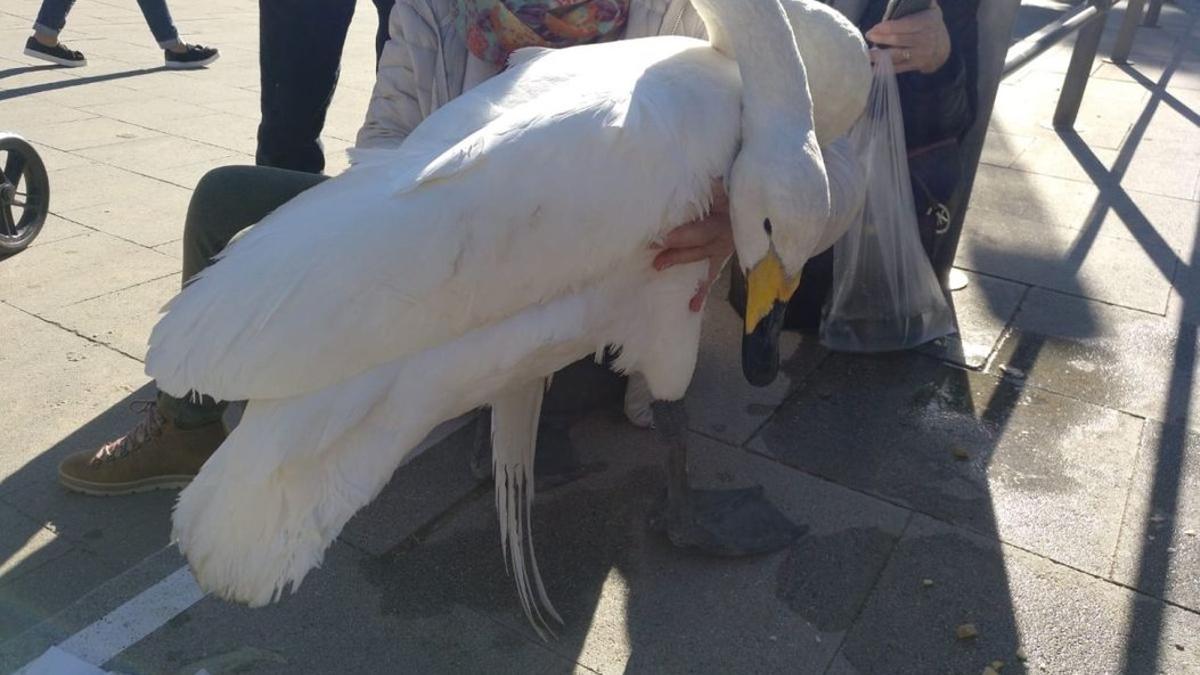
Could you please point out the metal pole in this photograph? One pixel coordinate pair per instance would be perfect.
(1082, 58)
(1124, 43)
(1152, 14)
(1050, 35)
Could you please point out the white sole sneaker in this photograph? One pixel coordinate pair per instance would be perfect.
(55, 59)
(191, 65)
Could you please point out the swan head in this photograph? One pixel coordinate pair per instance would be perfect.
(780, 210)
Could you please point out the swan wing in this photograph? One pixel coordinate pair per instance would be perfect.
(536, 201)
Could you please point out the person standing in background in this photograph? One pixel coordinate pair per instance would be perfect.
(52, 17)
(300, 55)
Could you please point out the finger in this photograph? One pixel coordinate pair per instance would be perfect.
(695, 233)
(679, 256)
(912, 25)
(697, 302)
(897, 40)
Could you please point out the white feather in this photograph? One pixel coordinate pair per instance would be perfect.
(505, 239)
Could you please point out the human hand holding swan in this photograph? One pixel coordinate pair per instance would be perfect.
(470, 283)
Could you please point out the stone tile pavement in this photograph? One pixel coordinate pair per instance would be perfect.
(1036, 476)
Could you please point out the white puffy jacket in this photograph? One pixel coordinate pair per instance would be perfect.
(425, 63)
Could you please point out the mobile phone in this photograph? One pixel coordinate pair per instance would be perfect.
(898, 9)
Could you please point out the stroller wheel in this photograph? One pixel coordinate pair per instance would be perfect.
(24, 194)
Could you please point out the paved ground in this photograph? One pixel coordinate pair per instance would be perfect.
(1067, 536)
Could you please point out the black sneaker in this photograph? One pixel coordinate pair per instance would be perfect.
(59, 53)
(196, 56)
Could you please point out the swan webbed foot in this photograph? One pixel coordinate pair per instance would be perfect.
(737, 522)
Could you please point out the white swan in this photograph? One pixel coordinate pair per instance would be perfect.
(505, 239)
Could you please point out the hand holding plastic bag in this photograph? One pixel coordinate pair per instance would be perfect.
(885, 294)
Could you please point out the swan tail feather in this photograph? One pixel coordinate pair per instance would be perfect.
(514, 438)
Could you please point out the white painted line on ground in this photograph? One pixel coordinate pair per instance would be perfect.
(84, 652)
(122, 627)
(55, 661)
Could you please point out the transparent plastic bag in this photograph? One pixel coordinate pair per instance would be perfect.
(885, 294)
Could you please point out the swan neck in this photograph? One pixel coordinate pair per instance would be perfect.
(758, 35)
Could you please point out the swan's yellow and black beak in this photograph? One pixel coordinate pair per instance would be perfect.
(768, 290)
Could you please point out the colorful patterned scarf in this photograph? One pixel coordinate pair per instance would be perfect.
(495, 28)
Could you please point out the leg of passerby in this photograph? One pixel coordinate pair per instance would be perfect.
(44, 43)
(300, 49)
(175, 436)
(177, 53)
(384, 9)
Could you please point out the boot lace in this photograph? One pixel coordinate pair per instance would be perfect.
(148, 428)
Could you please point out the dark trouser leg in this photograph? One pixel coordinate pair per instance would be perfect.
(52, 16)
(384, 8)
(226, 201)
(300, 49)
(158, 18)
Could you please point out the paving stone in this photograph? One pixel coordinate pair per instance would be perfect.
(81, 92)
(122, 319)
(1001, 149)
(1051, 157)
(232, 132)
(1111, 356)
(1185, 295)
(1033, 468)
(48, 589)
(67, 271)
(122, 531)
(720, 402)
(1185, 75)
(150, 156)
(189, 175)
(25, 111)
(172, 249)
(1107, 111)
(336, 158)
(1076, 206)
(338, 623)
(27, 545)
(61, 393)
(147, 113)
(1064, 621)
(104, 597)
(149, 223)
(1145, 172)
(419, 492)
(1113, 270)
(1159, 551)
(33, 76)
(631, 602)
(88, 133)
(982, 309)
(56, 229)
(79, 187)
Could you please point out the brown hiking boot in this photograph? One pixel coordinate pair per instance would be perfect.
(155, 455)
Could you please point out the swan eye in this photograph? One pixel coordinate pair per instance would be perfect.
(767, 225)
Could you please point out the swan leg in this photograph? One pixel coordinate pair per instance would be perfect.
(716, 522)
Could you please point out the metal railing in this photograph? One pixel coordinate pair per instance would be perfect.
(1088, 19)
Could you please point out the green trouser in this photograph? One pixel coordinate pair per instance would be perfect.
(230, 199)
(226, 201)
